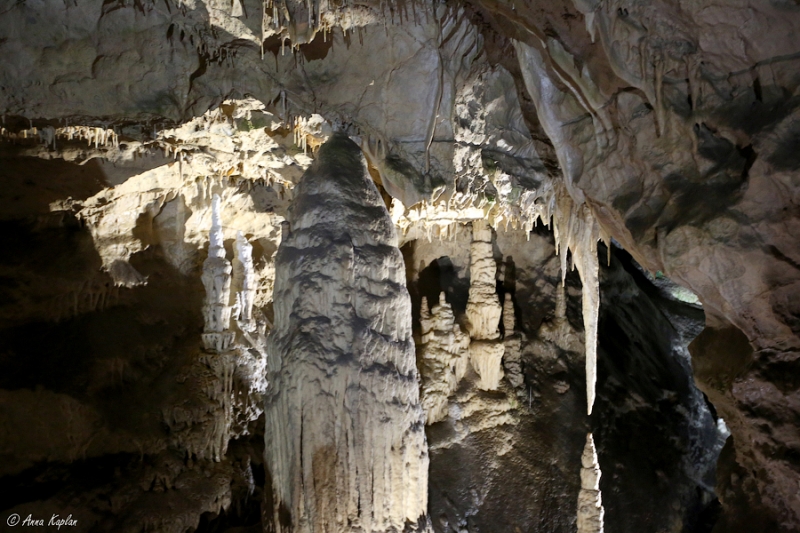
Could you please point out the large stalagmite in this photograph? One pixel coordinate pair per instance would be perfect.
(345, 441)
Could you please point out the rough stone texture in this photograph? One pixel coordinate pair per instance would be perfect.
(484, 309)
(110, 409)
(345, 444)
(496, 445)
(670, 125)
(672, 121)
(513, 346)
(645, 382)
(445, 356)
(590, 501)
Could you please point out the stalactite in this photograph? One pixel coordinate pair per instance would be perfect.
(310, 132)
(590, 504)
(577, 231)
(442, 217)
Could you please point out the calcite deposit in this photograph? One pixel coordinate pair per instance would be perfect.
(590, 501)
(445, 357)
(371, 267)
(345, 444)
(217, 282)
(484, 309)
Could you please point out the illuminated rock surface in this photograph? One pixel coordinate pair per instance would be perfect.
(345, 442)
(133, 379)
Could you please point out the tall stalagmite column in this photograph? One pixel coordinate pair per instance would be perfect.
(345, 440)
(216, 279)
(246, 296)
(484, 309)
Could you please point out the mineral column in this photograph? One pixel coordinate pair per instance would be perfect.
(245, 297)
(484, 309)
(216, 279)
(512, 359)
(345, 440)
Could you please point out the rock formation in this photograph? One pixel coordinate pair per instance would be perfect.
(445, 357)
(132, 348)
(345, 444)
(484, 309)
(576, 230)
(246, 296)
(217, 282)
(512, 341)
(590, 504)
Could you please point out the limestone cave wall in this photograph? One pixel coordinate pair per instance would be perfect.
(471, 266)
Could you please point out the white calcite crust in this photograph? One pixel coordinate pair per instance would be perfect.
(217, 282)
